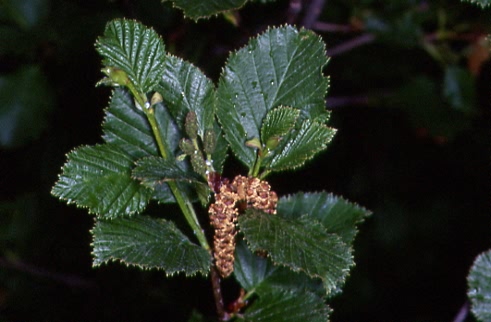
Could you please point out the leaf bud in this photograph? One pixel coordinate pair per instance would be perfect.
(116, 76)
(209, 141)
(198, 162)
(187, 146)
(191, 125)
(156, 98)
(273, 142)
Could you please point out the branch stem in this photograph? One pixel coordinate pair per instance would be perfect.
(217, 294)
(183, 202)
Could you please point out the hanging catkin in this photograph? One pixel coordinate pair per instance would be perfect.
(223, 214)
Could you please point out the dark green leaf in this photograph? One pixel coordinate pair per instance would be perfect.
(336, 214)
(302, 244)
(278, 122)
(127, 127)
(135, 49)
(300, 146)
(196, 9)
(288, 307)
(148, 243)
(185, 88)
(99, 178)
(154, 170)
(282, 278)
(249, 269)
(257, 273)
(283, 66)
(479, 281)
(459, 89)
(26, 100)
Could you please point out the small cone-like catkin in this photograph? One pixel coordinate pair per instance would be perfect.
(223, 215)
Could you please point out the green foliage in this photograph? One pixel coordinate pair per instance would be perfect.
(336, 214)
(126, 126)
(288, 307)
(196, 9)
(271, 111)
(136, 50)
(99, 178)
(148, 243)
(280, 67)
(302, 244)
(479, 281)
(258, 274)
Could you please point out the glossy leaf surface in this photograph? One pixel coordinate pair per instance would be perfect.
(148, 243)
(135, 49)
(302, 244)
(257, 273)
(288, 307)
(336, 214)
(99, 178)
(479, 281)
(196, 9)
(283, 66)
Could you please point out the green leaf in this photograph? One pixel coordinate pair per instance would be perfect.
(127, 127)
(288, 307)
(482, 3)
(26, 100)
(278, 122)
(148, 243)
(249, 269)
(283, 66)
(302, 244)
(459, 89)
(196, 9)
(135, 49)
(258, 273)
(99, 178)
(185, 88)
(336, 214)
(300, 146)
(154, 170)
(479, 281)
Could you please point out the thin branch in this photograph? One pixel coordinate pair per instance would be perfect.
(67, 279)
(332, 27)
(351, 44)
(217, 295)
(312, 13)
(293, 11)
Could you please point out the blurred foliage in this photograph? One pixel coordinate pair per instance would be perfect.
(410, 89)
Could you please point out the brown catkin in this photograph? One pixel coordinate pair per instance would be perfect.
(223, 214)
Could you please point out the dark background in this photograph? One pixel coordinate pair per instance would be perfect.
(410, 95)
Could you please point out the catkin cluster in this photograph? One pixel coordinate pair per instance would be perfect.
(242, 191)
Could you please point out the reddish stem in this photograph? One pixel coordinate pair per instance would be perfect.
(217, 295)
